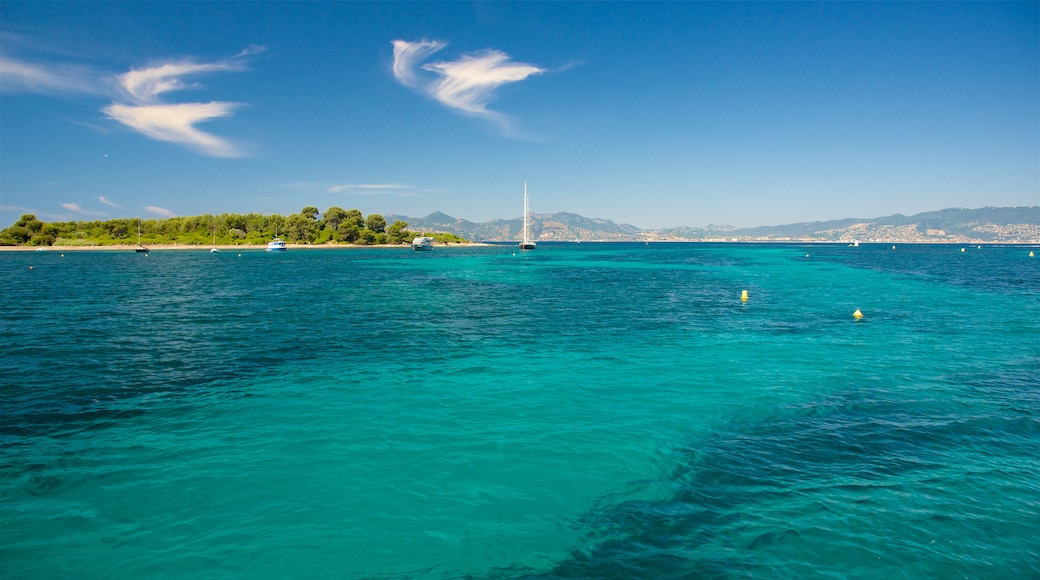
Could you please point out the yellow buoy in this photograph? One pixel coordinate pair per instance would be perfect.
(962, 249)
(857, 314)
(743, 295)
(1030, 254)
(893, 247)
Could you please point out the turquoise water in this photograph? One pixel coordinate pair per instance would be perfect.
(580, 411)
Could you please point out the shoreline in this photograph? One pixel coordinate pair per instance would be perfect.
(233, 248)
(207, 248)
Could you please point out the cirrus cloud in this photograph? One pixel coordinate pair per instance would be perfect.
(144, 85)
(141, 108)
(176, 124)
(79, 209)
(369, 188)
(407, 55)
(20, 76)
(34, 67)
(466, 85)
(137, 95)
(159, 211)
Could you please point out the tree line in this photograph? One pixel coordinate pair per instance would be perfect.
(307, 227)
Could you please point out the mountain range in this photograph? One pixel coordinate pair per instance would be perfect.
(954, 225)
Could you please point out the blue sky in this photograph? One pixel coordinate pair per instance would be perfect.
(653, 114)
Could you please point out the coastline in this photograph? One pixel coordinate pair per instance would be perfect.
(206, 248)
(233, 248)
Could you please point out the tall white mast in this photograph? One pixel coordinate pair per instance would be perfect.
(526, 243)
(525, 214)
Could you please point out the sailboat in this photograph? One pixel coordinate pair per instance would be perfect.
(140, 249)
(525, 242)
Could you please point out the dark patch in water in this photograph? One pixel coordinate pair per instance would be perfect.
(990, 269)
(42, 484)
(870, 438)
(769, 538)
(37, 422)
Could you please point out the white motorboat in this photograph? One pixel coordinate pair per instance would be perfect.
(422, 244)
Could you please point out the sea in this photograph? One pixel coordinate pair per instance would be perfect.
(583, 410)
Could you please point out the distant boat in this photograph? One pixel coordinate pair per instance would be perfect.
(526, 243)
(140, 249)
(854, 244)
(422, 244)
(276, 245)
(214, 250)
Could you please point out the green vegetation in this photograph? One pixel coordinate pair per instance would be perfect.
(307, 227)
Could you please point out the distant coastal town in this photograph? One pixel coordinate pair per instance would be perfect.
(1012, 225)
(906, 234)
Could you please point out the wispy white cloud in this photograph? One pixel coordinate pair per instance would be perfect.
(370, 188)
(137, 95)
(141, 108)
(144, 85)
(47, 216)
(250, 50)
(407, 55)
(159, 211)
(31, 66)
(106, 201)
(176, 123)
(20, 76)
(17, 208)
(465, 85)
(79, 209)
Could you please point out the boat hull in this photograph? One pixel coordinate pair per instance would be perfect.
(422, 244)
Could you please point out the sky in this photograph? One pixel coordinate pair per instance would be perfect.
(652, 114)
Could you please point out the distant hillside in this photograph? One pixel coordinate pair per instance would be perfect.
(556, 226)
(992, 224)
(957, 225)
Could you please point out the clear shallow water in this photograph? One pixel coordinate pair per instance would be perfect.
(584, 410)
